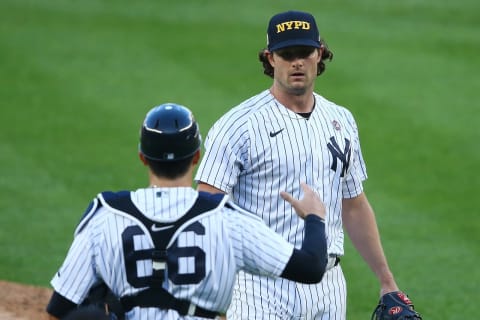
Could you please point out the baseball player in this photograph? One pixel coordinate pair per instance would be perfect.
(285, 134)
(170, 252)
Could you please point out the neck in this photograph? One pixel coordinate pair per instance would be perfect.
(160, 182)
(302, 103)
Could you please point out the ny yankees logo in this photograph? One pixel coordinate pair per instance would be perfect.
(337, 153)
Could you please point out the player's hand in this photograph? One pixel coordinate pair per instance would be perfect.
(309, 204)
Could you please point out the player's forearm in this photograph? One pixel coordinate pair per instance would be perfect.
(59, 306)
(308, 264)
(360, 224)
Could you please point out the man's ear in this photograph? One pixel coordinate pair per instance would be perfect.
(320, 51)
(196, 157)
(143, 159)
(269, 56)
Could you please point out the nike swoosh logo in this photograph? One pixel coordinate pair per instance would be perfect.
(156, 229)
(273, 134)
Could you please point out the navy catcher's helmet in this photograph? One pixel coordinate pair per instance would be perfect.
(169, 133)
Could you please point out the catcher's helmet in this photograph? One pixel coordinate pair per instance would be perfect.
(169, 133)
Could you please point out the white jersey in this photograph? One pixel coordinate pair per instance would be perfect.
(260, 148)
(107, 240)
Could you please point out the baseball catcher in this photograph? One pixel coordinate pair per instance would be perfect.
(395, 306)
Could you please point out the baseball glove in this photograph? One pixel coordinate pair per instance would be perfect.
(395, 306)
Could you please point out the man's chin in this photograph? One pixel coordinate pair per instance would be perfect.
(298, 91)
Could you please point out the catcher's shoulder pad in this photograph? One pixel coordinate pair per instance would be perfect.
(94, 205)
(395, 306)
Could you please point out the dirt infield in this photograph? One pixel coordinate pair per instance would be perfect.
(23, 302)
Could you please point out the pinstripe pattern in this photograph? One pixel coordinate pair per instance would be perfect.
(260, 148)
(233, 240)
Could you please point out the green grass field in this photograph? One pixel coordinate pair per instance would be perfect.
(76, 78)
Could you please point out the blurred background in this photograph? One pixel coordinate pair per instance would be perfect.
(77, 77)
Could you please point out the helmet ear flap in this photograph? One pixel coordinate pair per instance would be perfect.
(169, 133)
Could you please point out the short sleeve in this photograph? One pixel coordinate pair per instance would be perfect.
(77, 274)
(357, 173)
(226, 153)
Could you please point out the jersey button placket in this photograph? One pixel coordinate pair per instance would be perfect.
(309, 141)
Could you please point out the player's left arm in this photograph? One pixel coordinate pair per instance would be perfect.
(360, 224)
(75, 277)
(359, 218)
(59, 306)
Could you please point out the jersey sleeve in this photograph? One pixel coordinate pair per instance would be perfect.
(357, 173)
(77, 274)
(226, 153)
(258, 249)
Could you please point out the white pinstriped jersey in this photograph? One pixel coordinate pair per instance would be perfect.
(233, 240)
(260, 148)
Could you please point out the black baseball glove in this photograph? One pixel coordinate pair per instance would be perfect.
(395, 306)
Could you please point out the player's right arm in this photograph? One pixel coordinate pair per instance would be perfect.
(265, 252)
(308, 264)
(310, 204)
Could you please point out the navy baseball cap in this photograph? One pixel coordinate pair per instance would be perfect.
(292, 28)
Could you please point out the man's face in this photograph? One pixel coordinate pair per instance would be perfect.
(295, 68)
